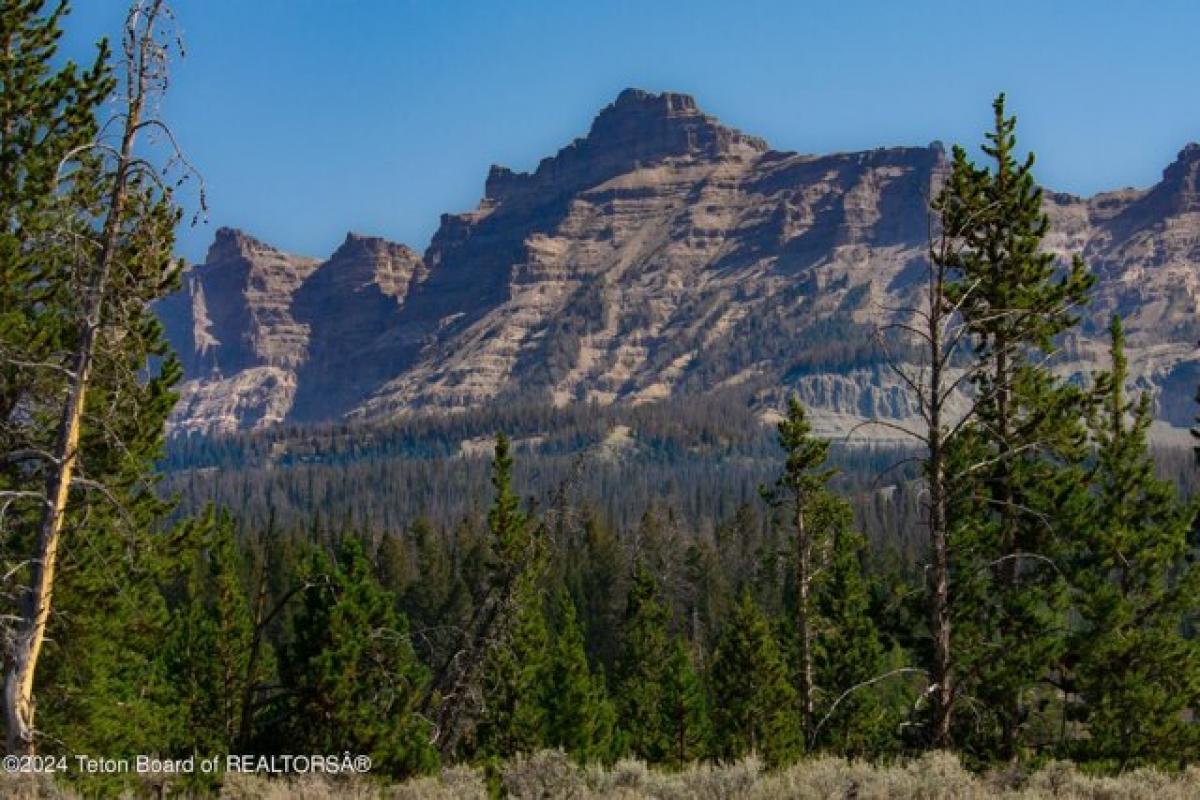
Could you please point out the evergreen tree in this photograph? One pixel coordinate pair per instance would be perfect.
(46, 113)
(686, 708)
(849, 651)
(394, 568)
(508, 524)
(1027, 442)
(641, 672)
(579, 716)
(85, 389)
(508, 619)
(754, 703)
(516, 676)
(602, 589)
(801, 497)
(436, 601)
(1135, 675)
(208, 652)
(351, 676)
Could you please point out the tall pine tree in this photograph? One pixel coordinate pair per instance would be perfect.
(685, 705)
(802, 499)
(1026, 444)
(515, 680)
(86, 239)
(850, 657)
(208, 651)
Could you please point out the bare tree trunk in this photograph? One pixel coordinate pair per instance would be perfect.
(939, 333)
(804, 619)
(246, 722)
(942, 672)
(19, 704)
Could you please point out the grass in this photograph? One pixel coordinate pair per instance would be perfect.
(550, 774)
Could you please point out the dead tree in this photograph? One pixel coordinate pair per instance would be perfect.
(939, 385)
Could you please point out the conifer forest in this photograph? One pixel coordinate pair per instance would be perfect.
(1003, 580)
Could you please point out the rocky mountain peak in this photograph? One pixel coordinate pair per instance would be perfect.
(366, 260)
(233, 243)
(1176, 194)
(1182, 180)
(636, 130)
(664, 125)
(643, 107)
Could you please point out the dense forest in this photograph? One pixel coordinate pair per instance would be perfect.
(1014, 583)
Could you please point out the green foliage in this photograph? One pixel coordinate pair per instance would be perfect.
(685, 705)
(1135, 674)
(351, 675)
(208, 650)
(579, 716)
(1021, 460)
(506, 521)
(850, 655)
(102, 684)
(1073, 581)
(436, 600)
(602, 574)
(753, 702)
(515, 682)
(804, 471)
(641, 671)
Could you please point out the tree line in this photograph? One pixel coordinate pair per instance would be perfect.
(1043, 605)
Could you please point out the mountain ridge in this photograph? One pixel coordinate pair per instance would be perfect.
(659, 255)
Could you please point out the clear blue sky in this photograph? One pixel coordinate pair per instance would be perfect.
(312, 117)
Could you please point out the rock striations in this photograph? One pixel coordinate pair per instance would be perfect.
(662, 254)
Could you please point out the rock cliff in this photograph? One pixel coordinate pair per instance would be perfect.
(662, 254)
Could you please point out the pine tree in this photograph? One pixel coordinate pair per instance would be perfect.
(579, 716)
(85, 389)
(208, 652)
(850, 654)
(516, 676)
(1135, 675)
(686, 708)
(602, 589)
(394, 568)
(754, 703)
(45, 114)
(436, 601)
(508, 609)
(506, 521)
(801, 497)
(351, 676)
(1027, 441)
(641, 671)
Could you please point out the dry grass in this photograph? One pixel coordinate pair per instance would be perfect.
(936, 776)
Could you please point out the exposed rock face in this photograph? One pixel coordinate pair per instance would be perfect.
(348, 304)
(238, 340)
(661, 254)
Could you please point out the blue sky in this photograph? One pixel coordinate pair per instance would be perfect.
(309, 118)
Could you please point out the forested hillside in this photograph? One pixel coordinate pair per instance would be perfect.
(705, 583)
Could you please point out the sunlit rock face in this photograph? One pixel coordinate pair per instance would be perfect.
(662, 254)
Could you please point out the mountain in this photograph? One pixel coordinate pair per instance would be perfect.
(663, 254)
